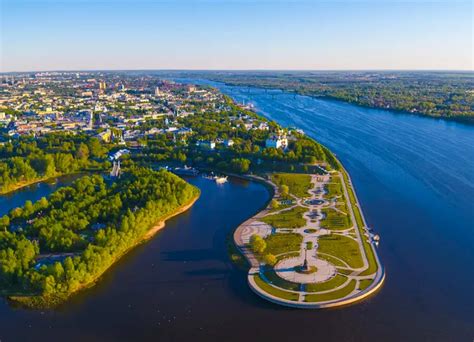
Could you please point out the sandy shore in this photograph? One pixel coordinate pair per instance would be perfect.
(162, 223)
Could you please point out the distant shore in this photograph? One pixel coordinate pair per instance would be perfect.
(468, 120)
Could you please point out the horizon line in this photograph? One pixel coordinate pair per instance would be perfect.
(240, 70)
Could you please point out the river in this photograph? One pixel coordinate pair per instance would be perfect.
(415, 179)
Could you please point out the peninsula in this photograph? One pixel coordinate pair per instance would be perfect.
(309, 248)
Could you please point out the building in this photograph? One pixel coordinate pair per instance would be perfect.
(276, 141)
(157, 91)
(105, 136)
(208, 144)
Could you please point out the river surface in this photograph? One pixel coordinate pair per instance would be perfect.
(415, 179)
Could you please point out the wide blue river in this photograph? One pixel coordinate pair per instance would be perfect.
(415, 179)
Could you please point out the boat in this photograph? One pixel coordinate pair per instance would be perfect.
(220, 180)
(186, 171)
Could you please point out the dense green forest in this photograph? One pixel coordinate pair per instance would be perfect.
(86, 227)
(29, 159)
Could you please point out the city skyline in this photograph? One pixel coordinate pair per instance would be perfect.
(238, 35)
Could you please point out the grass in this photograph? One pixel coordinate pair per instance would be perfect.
(335, 220)
(331, 259)
(298, 184)
(283, 243)
(334, 282)
(274, 291)
(292, 218)
(281, 207)
(334, 188)
(343, 247)
(345, 271)
(367, 247)
(364, 283)
(274, 279)
(289, 255)
(322, 297)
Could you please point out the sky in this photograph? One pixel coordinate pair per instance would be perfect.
(236, 34)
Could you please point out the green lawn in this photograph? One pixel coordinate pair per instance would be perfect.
(276, 292)
(334, 187)
(367, 247)
(332, 260)
(342, 247)
(334, 282)
(274, 279)
(292, 218)
(363, 284)
(332, 295)
(283, 243)
(298, 184)
(335, 220)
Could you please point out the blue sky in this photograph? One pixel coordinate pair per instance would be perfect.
(220, 34)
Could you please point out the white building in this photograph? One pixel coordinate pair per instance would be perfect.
(207, 144)
(276, 142)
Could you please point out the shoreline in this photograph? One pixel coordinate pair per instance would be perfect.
(45, 180)
(24, 185)
(37, 302)
(457, 119)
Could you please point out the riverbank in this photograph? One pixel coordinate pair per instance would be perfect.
(21, 185)
(468, 120)
(52, 301)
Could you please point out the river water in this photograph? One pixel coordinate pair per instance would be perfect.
(415, 179)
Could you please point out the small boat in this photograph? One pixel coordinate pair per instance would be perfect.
(220, 180)
(186, 171)
(208, 176)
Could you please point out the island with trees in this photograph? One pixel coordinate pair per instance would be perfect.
(58, 245)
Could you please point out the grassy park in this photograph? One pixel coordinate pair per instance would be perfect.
(343, 247)
(335, 220)
(283, 243)
(336, 256)
(298, 184)
(291, 218)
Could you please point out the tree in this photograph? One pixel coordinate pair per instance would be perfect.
(82, 152)
(240, 165)
(4, 222)
(257, 244)
(274, 204)
(285, 190)
(270, 259)
(96, 149)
